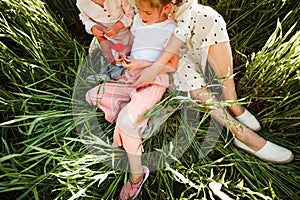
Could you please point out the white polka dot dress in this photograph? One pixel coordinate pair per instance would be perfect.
(199, 27)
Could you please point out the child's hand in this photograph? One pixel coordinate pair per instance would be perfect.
(119, 54)
(114, 30)
(111, 31)
(133, 64)
(106, 49)
(97, 31)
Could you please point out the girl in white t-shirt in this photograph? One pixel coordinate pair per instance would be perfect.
(127, 104)
(201, 38)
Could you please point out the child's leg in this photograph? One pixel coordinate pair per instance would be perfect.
(128, 131)
(132, 187)
(128, 134)
(94, 45)
(136, 170)
(109, 98)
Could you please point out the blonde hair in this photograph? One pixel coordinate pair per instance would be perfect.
(157, 3)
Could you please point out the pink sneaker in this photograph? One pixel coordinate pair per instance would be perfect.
(132, 189)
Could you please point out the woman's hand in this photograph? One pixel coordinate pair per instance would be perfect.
(148, 74)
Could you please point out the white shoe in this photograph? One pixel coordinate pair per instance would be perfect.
(270, 152)
(249, 120)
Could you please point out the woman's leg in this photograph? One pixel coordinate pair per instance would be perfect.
(245, 138)
(220, 60)
(241, 132)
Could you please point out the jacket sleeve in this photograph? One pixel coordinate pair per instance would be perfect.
(83, 16)
(128, 13)
(87, 22)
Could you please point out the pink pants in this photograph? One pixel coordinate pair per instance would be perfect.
(128, 105)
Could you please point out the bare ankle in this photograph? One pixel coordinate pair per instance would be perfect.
(237, 110)
(251, 139)
(136, 177)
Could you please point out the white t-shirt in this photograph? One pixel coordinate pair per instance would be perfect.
(150, 40)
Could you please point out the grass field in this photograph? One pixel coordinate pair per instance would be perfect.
(43, 45)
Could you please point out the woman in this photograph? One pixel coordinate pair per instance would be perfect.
(201, 37)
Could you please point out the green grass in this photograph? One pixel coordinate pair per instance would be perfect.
(43, 46)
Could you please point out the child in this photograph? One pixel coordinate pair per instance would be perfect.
(151, 31)
(201, 37)
(109, 22)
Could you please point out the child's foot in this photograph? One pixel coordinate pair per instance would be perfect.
(132, 189)
(97, 78)
(249, 120)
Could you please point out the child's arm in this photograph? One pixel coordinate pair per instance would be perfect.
(133, 64)
(87, 22)
(163, 63)
(98, 32)
(128, 13)
(93, 28)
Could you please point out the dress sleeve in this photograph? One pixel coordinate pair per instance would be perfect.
(210, 28)
(182, 15)
(128, 13)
